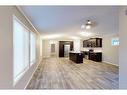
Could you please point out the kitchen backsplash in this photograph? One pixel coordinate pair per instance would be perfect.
(95, 49)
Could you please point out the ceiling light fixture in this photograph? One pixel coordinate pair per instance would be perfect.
(88, 24)
(88, 21)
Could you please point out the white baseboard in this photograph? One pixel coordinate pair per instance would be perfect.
(33, 73)
(110, 63)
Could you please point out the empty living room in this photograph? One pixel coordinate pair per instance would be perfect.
(63, 47)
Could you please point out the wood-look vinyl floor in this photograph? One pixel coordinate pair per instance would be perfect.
(61, 73)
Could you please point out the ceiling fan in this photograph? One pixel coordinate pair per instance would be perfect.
(88, 25)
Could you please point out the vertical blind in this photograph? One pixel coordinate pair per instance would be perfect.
(24, 51)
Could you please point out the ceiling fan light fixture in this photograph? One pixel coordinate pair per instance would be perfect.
(88, 26)
(89, 22)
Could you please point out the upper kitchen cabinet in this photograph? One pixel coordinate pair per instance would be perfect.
(93, 42)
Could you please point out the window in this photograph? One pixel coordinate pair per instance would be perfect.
(115, 41)
(32, 48)
(20, 49)
(24, 49)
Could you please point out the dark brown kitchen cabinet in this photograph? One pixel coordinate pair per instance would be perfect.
(95, 56)
(93, 42)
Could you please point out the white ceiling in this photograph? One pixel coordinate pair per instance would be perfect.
(67, 20)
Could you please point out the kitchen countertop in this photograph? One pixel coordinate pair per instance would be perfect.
(74, 52)
(93, 51)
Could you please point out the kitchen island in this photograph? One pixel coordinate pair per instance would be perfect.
(76, 57)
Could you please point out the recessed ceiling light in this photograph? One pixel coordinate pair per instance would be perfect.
(86, 34)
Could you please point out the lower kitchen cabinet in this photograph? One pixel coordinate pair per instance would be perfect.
(95, 56)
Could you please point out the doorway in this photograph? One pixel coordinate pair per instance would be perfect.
(52, 50)
(66, 50)
(65, 47)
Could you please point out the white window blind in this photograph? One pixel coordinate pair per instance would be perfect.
(32, 48)
(20, 49)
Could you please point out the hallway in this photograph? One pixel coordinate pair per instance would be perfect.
(61, 73)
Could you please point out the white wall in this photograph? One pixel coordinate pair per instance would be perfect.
(46, 47)
(6, 48)
(110, 53)
(123, 48)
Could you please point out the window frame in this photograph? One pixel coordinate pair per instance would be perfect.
(33, 61)
(26, 29)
